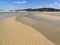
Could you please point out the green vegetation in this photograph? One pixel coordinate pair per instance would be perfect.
(42, 9)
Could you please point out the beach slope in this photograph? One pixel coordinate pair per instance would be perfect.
(16, 33)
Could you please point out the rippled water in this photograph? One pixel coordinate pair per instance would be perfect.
(55, 14)
(30, 15)
(7, 14)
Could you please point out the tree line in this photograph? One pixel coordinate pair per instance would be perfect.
(42, 9)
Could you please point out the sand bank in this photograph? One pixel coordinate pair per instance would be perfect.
(16, 33)
(51, 31)
(47, 16)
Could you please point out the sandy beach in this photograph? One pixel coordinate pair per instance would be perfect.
(16, 33)
(27, 30)
(29, 22)
(48, 16)
(50, 28)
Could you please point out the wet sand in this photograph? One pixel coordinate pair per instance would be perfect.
(16, 33)
(48, 16)
(49, 30)
(30, 29)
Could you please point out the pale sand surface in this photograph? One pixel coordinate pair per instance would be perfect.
(48, 16)
(16, 33)
(51, 31)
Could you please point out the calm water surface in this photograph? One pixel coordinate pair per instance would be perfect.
(7, 14)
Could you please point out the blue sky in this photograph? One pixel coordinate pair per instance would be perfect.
(23, 4)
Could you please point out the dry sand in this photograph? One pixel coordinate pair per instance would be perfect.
(16, 33)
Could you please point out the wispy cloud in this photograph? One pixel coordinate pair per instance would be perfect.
(55, 5)
(20, 2)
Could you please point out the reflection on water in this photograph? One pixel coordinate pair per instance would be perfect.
(7, 14)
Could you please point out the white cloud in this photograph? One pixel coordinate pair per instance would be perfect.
(18, 2)
(55, 5)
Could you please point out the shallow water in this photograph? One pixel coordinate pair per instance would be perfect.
(55, 14)
(38, 18)
(7, 14)
(31, 15)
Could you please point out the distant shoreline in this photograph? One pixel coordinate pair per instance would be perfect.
(13, 11)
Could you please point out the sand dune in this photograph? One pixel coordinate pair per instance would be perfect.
(16, 33)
